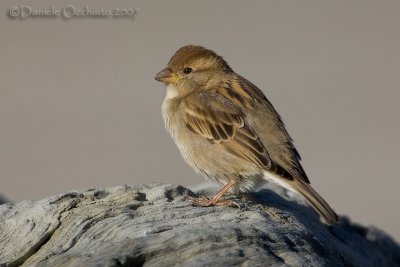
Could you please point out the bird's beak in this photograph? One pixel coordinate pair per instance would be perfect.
(166, 76)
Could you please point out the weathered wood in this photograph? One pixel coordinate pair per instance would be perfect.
(150, 225)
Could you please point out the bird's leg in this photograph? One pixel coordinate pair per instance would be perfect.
(215, 200)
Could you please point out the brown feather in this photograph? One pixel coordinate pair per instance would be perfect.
(257, 95)
(316, 201)
(225, 128)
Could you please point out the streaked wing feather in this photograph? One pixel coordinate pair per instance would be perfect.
(224, 124)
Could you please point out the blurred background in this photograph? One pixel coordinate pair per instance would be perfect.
(79, 106)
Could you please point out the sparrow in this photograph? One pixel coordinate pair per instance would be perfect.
(227, 130)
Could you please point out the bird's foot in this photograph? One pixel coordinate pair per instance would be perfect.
(207, 202)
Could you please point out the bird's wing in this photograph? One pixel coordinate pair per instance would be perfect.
(240, 84)
(221, 121)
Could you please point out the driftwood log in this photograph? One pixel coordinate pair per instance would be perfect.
(150, 225)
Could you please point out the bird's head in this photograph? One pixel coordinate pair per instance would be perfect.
(193, 67)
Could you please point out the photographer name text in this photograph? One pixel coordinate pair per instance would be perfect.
(70, 11)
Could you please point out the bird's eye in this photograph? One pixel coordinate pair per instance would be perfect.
(187, 70)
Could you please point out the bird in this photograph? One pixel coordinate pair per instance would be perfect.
(227, 130)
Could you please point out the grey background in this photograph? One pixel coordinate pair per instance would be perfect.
(79, 106)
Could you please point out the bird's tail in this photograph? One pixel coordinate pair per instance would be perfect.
(316, 201)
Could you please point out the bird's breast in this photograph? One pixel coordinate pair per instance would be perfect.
(170, 110)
